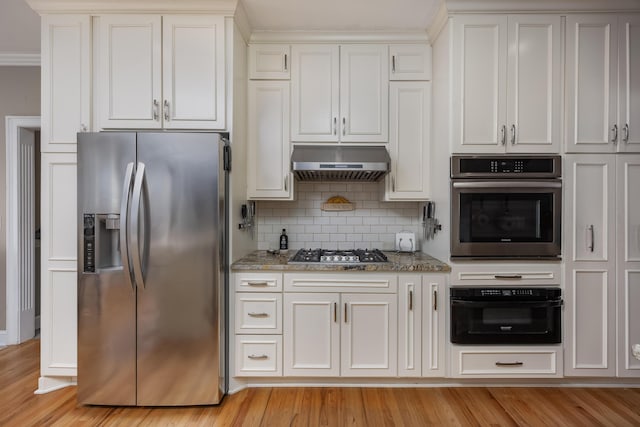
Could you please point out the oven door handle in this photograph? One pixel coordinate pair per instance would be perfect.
(508, 184)
(509, 303)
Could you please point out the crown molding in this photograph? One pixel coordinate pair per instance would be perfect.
(536, 6)
(20, 59)
(438, 23)
(242, 22)
(223, 7)
(339, 37)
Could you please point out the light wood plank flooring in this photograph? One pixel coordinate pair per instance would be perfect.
(476, 406)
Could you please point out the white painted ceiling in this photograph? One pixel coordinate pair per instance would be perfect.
(340, 15)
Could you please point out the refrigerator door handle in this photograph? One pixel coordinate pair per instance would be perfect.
(135, 225)
(124, 223)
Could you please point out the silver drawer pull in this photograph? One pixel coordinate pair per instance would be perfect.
(258, 356)
(257, 283)
(507, 276)
(509, 363)
(252, 314)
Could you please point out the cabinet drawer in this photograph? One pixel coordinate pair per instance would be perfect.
(258, 355)
(258, 313)
(341, 282)
(494, 362)
(258, 282)
(529, 274)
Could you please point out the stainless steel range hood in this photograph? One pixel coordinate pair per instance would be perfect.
(340, 163)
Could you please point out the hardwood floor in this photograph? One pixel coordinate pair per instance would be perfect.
(468, 406)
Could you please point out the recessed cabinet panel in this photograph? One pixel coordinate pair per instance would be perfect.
(534, 82)
(629, 322)
(629, 82)
(410, 62)
(628, 169)
(591, 82)
(269, 61)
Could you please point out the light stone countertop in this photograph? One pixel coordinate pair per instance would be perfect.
(400, 262)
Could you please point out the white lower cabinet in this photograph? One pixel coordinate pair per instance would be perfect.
(259, 355)
(340, 334)
(498, 361)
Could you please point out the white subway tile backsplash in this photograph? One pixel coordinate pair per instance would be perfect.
(372, 224)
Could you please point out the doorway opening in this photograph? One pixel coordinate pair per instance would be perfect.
(23, 224)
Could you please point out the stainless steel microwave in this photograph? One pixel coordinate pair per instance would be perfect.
(506, 207)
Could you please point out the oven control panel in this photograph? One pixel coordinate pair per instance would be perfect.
(506, 292)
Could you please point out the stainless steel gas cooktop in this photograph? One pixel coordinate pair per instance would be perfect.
(326, 256)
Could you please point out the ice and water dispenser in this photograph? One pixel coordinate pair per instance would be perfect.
(101, 242)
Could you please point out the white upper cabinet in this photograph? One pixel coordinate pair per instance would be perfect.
(160, 72)
(603, 83)
(339, 93)
(409, 140)
(66, 65)
(268, 146)
(506, 83)
(410, 62)
(269, 62)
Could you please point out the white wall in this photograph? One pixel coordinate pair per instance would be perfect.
(19, 28)
(372, 224)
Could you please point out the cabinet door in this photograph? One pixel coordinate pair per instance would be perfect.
(590, 321)
(409, 141)
(628, 259)
(410, 62)
(59, 281)
(592, 52)
(128, 71)
(590, 207)
(66, 80)
(534, 84)
(629, 81)
(364, 93)
(433, 325)
(193, 72)
(315, 89)
(268, 149)
(368, 339)
(479, 66)
(410, 325)
(269, 61)
(311, 334)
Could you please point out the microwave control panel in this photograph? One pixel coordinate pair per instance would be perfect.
(479, 166)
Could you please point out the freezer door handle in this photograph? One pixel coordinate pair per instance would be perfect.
(135, 225)
(124, 223)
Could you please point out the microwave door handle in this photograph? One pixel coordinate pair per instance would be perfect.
(508, 184)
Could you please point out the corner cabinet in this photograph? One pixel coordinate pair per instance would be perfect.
(158, 71)
(268, 145)
(409, 141)
(339, 93)
(603, 62)
(506, 83)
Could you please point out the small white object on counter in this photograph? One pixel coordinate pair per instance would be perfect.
(406, 242)
(636, 351)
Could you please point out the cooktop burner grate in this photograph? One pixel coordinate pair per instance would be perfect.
(327, 256)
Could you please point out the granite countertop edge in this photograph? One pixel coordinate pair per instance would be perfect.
(398, 261)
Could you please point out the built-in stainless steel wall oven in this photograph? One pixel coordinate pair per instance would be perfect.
(506, 206)
(506, 315)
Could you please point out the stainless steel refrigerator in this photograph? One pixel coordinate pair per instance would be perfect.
(152, 270)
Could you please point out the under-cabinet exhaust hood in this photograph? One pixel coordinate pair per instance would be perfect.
(340, 163)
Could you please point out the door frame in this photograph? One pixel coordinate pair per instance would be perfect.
(13, 125)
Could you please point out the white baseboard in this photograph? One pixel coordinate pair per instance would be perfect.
(3, 338)
(49, 384)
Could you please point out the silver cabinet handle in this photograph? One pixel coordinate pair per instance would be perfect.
(503, 134)
(335, 125)
(156, 110)
(393, 63)
(592, 238)
(625, 129)
(513, 134)
(393, 184)
(166, 110)
(344, 126)
(253, 314)
(410, 300)
(435, 300)
(509, 363)
(124, 223)
(286, 183)
(345, 312)
(614, 129)
(507, 276)
(138, 187)
(285, 62)
(258, 356)
(335, 312)
(257, 283)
